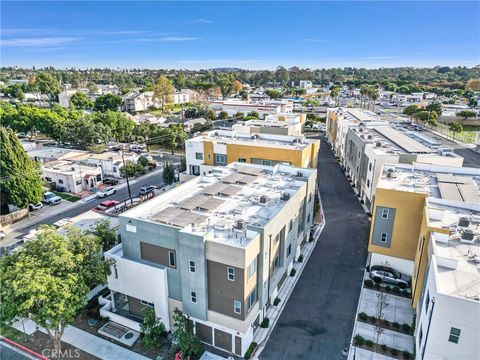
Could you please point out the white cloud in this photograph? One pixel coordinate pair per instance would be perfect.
(38, 42)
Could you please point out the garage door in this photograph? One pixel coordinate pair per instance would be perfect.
(204, 333)
(223, 340)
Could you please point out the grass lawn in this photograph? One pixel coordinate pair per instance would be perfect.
(67, 196)
(471, 127)
(11, 333)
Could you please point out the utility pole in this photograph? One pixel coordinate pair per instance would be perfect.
(126, 176)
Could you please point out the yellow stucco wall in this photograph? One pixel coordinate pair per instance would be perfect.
(408, 218)
(208, 157)
(332, 126)
(235, 151)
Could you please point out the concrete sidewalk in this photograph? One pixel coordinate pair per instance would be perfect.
(87, 342)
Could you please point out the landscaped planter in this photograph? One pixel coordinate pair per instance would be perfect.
(369, 345)
(395, 290)
(372, 320)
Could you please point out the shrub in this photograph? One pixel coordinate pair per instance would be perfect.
(396, 325)
(388, 288)
(396, 290)
(265, 322)
(372, 319)
(276, 301)
(369, 343)
(405, 293)
(406, 328)
(359, 340)
(293, 272)
(250, 350)
(363, 316)
(300, 258)
(383, 347)
(368, 283)
(394, 351)
(377, 286)
(406, 355)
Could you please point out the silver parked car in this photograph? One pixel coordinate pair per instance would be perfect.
(386, 274)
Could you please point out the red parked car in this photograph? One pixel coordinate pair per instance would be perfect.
(107, 204)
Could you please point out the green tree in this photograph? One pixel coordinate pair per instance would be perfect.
(189, 345)
(153, 330)
(48, 84)
(210, 114)
(163, 91)
(168, 173)
(455, 128)
(273, 94)
(142, 161)
(335, 93)
(239, 115)
(81, 101)
(428, 117)
(282, 75)
(253, 115)
(107, 102)
(120, 125)
(222, 115)
(183, 164)
(226, 84)
(21, 182)
(130, 169)
(411, 110)
(467, 114)
(48, 279)
(106, 234)
(435, 106)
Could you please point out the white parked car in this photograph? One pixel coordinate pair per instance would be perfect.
(50, 198)
(33, 207)
(146, 156)
(106, 192)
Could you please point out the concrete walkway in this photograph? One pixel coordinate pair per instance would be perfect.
(390, 338)
(87, 342)
(398, 310)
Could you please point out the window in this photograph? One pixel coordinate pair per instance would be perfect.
(199, 156)
(220, 159)
(310, 197)
(308, 218)
(191, 265)
(60, 181)
(231, 273)
(193, 296)
(277, 238)
(276, 262)
(267, 162)
(146, 303)
(384, 237)
(114, 169)
(420, 337)
(427, 302)
(369, 166)
(368, 183)
(78, 182)
(49, 179)
(237, 307)
(290, 225)
(115, 271)
(252, 298)
(454, 335)
(289, 250)
(385, 213)
(252, 268)
(99, 178)
(171, 259)
(242, 160)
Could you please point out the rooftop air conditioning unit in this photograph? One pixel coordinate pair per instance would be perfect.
(464, 222)
(263, 199)
(240, 224)
(370, 137)
(299, 174)
(285, 196)
(378, 144)
(467, 236)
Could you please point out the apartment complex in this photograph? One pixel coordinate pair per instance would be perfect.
(141, 101)
(426, 224)
(279, 124)
(217, 247)
(244, 144)
(263, 108)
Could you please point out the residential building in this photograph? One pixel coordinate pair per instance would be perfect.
(222, 147)
(306, 84)
(267, 107)
(368, 146)
(280, 124)
(109, 162)
(218, 248)
(44, 154)
(141, 101)
(72, 177)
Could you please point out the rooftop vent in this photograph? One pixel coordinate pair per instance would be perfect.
(263, 199)
(285, 196)
(370, 136)
(299, 174)
(378, 144)
(464, 221)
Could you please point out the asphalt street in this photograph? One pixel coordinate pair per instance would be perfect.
(471, 158)
(154, 178)
(10, 353)
(318, 319)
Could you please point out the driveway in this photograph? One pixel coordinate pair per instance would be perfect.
(471, 158)
(318, 319)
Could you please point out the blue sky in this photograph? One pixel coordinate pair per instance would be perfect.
(254, 35)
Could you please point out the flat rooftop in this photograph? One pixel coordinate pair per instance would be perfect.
(457, 255)
(68, 167)
(357, 114)
(459, 185)
(54, 153)
(222, 202)
(265, 140)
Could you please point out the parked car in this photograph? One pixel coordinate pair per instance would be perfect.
(146, 156)
(106, 192)
(107, 204)
(144, 190)
(33, 207)
(386, 274)
(50, 198)
(136, 149)
(110, 181)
